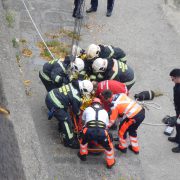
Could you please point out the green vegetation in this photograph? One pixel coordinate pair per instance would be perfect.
(10, 18)
(70, 34)
(59, 49)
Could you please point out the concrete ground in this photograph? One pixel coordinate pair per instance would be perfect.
(152, 43)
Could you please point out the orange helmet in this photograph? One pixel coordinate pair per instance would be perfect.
(96, 100)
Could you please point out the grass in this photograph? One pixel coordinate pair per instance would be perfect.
(59, 49)
(10, 18)
(15, 42)
(70, 34)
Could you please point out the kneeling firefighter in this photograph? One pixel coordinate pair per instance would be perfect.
(55, 74)
(95, 122)
(132, 116)
(60, 100)
(106, 69)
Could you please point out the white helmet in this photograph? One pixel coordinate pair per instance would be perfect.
(76, 50)
(99, 65)
(93, 51)
(77, 65)
(86, 87)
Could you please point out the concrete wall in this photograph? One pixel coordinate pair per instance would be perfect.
(10, 158)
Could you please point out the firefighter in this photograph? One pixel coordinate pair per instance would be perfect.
(94, 5)
(175, 76)
(60, 100)
(115, 87)
(105, 51)
(105, 69)
(132, 116)
(55, 74)
(96, 120)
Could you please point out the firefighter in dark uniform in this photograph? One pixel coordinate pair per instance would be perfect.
(105, 69)
(77, 9)
(54, 73)
(105, 51)
(175, 76)
(60, 100)
(94, 5)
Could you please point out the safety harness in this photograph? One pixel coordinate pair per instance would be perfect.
(96, 123)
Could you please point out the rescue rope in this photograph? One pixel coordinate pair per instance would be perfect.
(153, 105)
(37, 29)
(77, 27)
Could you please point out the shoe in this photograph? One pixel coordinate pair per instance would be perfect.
(122, 150)
(135, 152)
(74, 144)
(176, 149)
(110, 166)
(78, 16)
(172, 139)
(90, 10)
(82, 157)
(109, 13)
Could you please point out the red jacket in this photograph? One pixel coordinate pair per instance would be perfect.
(115, 86)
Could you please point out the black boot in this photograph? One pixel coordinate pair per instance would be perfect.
(176, 149)
(82, 157)
(135, 152)
(74, 144)
(109, 13)
(172, 139)
(90, 10)
(122, 150)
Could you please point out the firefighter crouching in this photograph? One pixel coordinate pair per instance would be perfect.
(132, 116)
(60, 100)
(106, 69)
(54, 73)
(96, 120)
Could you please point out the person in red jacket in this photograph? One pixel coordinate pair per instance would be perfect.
(114, 86)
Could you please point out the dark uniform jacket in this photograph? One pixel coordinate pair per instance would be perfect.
(177, 99)
(118, 71)
(56, 70)
(112, 52)
(67, 96)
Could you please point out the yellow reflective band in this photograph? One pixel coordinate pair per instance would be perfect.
(130, 82)
(44, 76)
(60, 63)
(60, 90)
(64, 90)
(123, 60)
(55, 100)
(57, 78)
(93, 77)
(112, 51)
(70, 135)
(52, 62)
(116, 71)
(75, 92)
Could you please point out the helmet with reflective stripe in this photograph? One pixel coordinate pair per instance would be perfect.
(99, 65)
(93, 51)
(77, 65)
(86, 87)
(96, 100)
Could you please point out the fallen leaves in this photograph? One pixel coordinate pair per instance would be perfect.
(26, 52)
